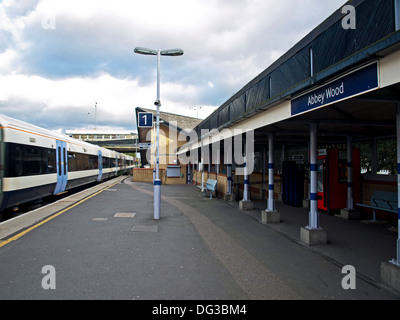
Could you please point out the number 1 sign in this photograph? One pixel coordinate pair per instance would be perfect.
(145, 120)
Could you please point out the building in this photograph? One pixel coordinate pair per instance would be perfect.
(171, 126)
(117, 140)
(333, 96)
(101, 135)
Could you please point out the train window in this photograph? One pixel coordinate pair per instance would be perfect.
(80, 162)
(51, 161)
(14, 160)
(75, 162)
(24, 160)
(108, 163)
(32, 161)
(71, 162)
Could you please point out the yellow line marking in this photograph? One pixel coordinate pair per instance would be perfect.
(21, 234)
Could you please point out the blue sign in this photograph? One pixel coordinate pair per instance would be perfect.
(360, 81)
(145, 120)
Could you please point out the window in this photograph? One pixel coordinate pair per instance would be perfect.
(26, 160)
(387, 156)
(80, 162)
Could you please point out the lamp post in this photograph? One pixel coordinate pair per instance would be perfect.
(157, 181)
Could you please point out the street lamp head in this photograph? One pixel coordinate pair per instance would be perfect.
(146, 51)
(151, 52)
(172, 52)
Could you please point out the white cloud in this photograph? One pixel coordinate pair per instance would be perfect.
(88, 56)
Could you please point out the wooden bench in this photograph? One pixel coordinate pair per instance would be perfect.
(382, 200)
(211, 186)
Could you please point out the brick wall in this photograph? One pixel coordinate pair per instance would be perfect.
(146, 175)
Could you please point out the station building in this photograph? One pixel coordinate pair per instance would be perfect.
(320, 118)
(171, 126)
(94, 135)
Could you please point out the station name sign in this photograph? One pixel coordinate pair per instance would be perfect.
(350, 85)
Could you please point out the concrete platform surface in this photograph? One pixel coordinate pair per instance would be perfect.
(108, 246)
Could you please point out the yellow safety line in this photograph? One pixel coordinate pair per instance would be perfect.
(21, 234)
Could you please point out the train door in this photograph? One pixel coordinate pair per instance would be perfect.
(100, 161)
(62, 166)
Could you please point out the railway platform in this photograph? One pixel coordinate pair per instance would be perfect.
(103, 244)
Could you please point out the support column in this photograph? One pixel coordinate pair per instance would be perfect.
(313, 234)
(271, 201)
(246, 203)
(263, 186)
(283, 157)
(270, 215)
(193, 172)
(246, 190)
(349, 212)
(390, 270)
(229, 176)
(349, 173)
(201, 165)
(229, 196)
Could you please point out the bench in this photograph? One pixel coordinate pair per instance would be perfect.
(382, 200)
(211, 186)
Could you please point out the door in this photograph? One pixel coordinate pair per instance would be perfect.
(62, 167)
(100, 166)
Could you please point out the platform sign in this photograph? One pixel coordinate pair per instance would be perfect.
(145, 120)
(357, 82)
(145, 146)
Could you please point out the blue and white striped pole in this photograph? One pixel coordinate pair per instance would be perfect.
(157, 181)
(397, 261)
(229, 176)
(246, 184)
(350, 205)
(188, 177)
(271, 206)
(313, 215)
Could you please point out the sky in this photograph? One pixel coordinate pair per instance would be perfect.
(61, 58)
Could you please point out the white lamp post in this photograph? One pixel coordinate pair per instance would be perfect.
(157, 181)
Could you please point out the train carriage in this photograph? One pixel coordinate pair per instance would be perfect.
(35, 162)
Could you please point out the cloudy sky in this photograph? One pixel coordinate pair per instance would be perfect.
(59, 57)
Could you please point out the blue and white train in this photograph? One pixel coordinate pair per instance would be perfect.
(35, 163)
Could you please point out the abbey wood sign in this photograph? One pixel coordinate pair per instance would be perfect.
(350, 85)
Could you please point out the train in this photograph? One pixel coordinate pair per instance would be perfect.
(36, 163)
